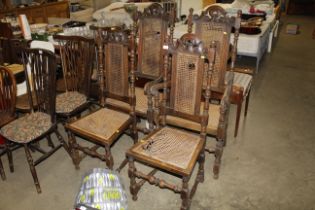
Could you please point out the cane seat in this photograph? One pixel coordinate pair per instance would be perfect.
(93, 125)
(141, 103)
(176, 148)
(213, 121)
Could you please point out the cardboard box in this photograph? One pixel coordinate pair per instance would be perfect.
(292, 28)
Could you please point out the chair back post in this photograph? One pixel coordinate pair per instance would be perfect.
(190, 20)
(237, 25)
(211, 53)
(172, 24)
(132, 69)
(7, 95)
(100, 65)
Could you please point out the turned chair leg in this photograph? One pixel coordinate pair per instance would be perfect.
(62, 142)
(109, 158)
(133, 184)
(74, 153)
(246, 103)
(185, 194)
(238, 115)
(32, 167)
(9, 154)
(217, 160)
(2, 171)
(201, 171)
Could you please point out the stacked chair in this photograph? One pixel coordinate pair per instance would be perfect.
(152, 27)
(215, 25)
(116, 77)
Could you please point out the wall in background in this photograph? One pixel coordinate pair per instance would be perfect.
(187, 4)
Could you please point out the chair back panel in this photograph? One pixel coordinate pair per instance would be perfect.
(186, 80)
(40, 72)
(77, 56)
(185, 94)
(7, 95)
(152, 33)
(116, 69)
(214, 25)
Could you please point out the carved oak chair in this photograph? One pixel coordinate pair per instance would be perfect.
(77, 56)
(7, 111)
(214, 25)
(171, 149)
(116, 78)
(152, 32)
(36, 125)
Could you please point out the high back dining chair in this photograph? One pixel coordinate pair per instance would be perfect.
(77, 56)
(169, 149)
(152, 32)
(215, 25)
(7, 111)
(116, 78)
(40, 123)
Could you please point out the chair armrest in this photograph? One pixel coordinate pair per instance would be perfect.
(244, 70)
(148, 85)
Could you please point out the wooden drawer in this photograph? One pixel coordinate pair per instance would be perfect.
(58, 10)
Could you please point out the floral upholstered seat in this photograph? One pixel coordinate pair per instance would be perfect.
(27, 128)
(69, 101)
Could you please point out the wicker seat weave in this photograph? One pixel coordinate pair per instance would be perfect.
(141, 102)
(213, 121)
(170, 145)
(96, 125)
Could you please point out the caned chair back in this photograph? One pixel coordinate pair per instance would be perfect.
(153, 23)
(7, 95)
(40, 72)
(77, 56)
(189, 60)
(214, 25)
(114, 69)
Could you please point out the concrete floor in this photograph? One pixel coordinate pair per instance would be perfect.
(270, 165)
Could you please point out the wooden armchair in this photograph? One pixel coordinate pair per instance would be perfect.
(214, 25)
(170, 149)
(116, 78)
(39, 124)
(7, 111)
(77, 56)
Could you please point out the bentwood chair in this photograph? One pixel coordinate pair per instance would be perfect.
(36, 125)
(170, 149)
(116, 78)
(214, 25)
(7, 111)
(77, 56)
